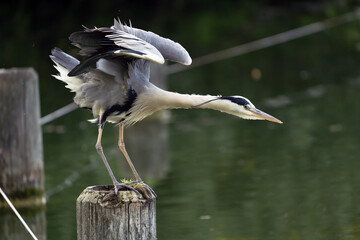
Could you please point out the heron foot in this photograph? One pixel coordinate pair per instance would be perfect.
(146, 191)
(126, 186)
(139, 187)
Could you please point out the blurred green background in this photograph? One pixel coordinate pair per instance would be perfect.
(216, 176)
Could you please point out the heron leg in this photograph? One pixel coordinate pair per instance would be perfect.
(126, 155)
(100, 151)
(145, 189)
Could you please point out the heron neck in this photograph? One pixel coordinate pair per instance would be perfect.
(173, 100)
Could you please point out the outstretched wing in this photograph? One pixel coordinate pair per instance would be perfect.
(127, 42)
(110, 43)
(169, 49)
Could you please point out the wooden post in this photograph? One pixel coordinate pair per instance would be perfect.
(21, 154)
(100, 214)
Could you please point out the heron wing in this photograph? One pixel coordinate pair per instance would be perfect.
(96, 89)
(136, 47)
(110, 43)
(169, 49)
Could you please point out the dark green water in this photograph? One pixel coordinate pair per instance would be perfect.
(219, 177)
(216, 176)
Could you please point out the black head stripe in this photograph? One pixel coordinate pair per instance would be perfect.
(237, 100)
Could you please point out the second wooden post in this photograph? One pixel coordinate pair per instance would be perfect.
(21, 150)
(100, 214)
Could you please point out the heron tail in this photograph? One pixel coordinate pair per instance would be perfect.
(64, 63)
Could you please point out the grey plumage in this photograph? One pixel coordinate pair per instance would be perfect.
(169, 49)
(111, 66)
(63, 59)
(113, 81)
(121, 40)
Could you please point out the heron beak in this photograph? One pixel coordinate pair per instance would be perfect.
(261, 115)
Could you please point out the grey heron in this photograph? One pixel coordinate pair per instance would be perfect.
(113, 83)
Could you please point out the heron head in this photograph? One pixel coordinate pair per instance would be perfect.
(243, 108)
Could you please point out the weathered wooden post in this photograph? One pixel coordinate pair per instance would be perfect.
(21, 153)
(101, 215)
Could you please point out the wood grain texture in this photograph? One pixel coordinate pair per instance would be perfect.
(101, 214)
(21, 152)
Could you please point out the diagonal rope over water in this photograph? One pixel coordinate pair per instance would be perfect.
(58, 113)
(69, 180)
(268, 41)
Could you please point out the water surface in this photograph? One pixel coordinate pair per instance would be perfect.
(219, 177)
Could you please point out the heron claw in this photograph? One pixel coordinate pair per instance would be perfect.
(139, 187)
(118, 186)
(147, 192)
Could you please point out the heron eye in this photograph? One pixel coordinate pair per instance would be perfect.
(247, 107)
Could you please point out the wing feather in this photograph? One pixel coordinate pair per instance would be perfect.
(124, 42)
(169, 49)
(114, 43)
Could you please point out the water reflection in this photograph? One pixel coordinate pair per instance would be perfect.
(257, 180)
(229, 178)
(224, 178)
(147, 144)
(11, 227)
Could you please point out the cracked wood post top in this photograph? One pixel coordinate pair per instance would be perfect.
(103, 215)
